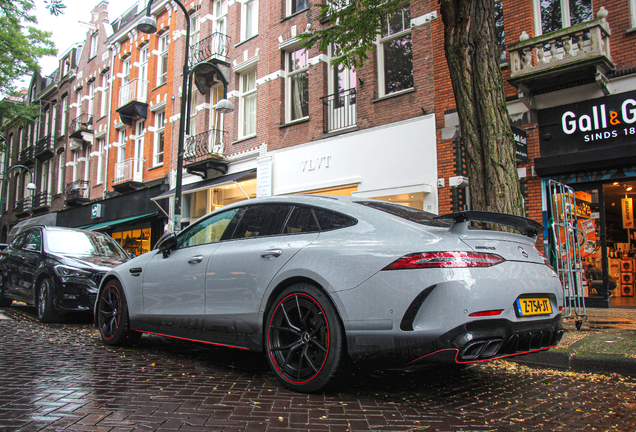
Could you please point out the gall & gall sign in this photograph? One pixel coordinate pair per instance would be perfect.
(588, 125)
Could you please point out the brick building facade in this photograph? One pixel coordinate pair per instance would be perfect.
(389, 130)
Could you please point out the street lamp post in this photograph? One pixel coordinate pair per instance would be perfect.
(148, 25)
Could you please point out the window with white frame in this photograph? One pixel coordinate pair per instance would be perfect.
(247, 104)
(18, 187)
(395, 53)
(44, 176)
(552, 15)
(93, 49)
(104, 101)
(220, 16)
(162, 63)
(20, 139)
(125, 71)
(91, 98)
(63, 114)
(53, 119)
(294, 6)
(121, 148)
(78, 103)
(75, 154)
(99, 178)
(632, 9)
(60, 172)
(195, 28)
(87, 163)
(47, 122)
(297, 84)
(216, 136)
(249, 19)
(160, 129)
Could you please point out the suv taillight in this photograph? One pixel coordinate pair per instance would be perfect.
(445, 260)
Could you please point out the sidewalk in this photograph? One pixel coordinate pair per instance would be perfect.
(606, 343)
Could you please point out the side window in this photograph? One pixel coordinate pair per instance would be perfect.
(209, 230)
(20, 240)
(329, 220)
(302, 220)
(34, 242)
(262, 220)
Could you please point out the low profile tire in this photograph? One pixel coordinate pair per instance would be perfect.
(113, 322)
(305, 339)
(46, 310)
(4, 302)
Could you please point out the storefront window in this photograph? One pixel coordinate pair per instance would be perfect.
(606, 211)
(135, 242)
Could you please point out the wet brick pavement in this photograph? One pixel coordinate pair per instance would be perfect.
(60, 377)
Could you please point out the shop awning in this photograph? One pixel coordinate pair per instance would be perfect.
(108, 224)
(206, 184)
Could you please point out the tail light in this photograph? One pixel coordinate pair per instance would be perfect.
(445, 260)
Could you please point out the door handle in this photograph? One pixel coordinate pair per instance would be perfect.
(196, 259)
(272, 253)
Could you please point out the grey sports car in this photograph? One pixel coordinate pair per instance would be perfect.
(318, 281)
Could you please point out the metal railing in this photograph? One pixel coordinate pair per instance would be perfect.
(23, 205)
(573, 44)
(26, 154)
(76, 190)
(135, 91)
(82, 123)
(214, 45)
(45, 144)
(203, 146)
(42, 199)
(339, 110)
(129, 170)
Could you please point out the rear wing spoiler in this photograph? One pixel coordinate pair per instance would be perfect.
(525, 226)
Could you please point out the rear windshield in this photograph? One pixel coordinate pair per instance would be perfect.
(404, 212)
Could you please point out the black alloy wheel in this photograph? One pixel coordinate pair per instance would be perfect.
(304, 339)
(45, 295)
(113, 317)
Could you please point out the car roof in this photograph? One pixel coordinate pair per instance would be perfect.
(59, 228)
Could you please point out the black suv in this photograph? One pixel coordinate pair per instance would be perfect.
(56, 269)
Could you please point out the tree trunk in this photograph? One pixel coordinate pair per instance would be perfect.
(473, 60)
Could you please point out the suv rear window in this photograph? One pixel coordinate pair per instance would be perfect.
(404, 212)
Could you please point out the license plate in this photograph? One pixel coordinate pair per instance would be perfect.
(533, 306)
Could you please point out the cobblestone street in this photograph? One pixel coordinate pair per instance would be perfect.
(60, 377)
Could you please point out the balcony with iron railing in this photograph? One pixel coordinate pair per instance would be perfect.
(26, 155)
(45, 147)
(41, 200)
(81, 125)
(213, 47)
(129, 175)
(23, 206)
(76, 192)
(204, 151)
(562, 58)
(133, 101)
(339, 111)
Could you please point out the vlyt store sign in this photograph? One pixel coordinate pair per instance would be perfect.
(588, 133)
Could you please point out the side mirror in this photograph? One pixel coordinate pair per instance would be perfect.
(167, 243)
(31, 247)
